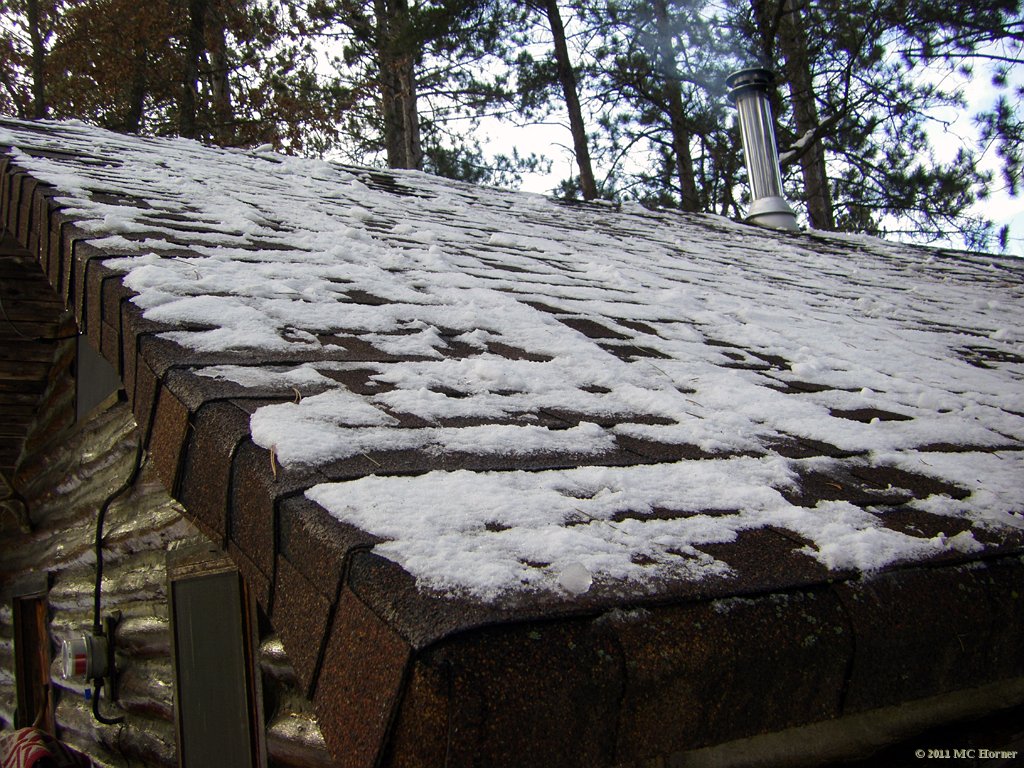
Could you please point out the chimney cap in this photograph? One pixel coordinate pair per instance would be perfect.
(752, 78)
(749, 89)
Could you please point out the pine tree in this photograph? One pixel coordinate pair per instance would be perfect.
(113, 62)
(783, 36)
(860, 105)
(961, 36)
(566, 74)
(421, 75)
(661, 70)
(26, 36)
(33, 14)
(224, 71)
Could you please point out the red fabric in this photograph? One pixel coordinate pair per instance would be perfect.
(26, 747)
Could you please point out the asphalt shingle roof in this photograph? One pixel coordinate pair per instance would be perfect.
(481, 406)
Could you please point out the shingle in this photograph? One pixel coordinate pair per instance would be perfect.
(252, 517)
(259, 583)
(317, 545)
(303, 614)
(924, 632)
(708, 398)
(693, 679)
(167, 441)
(218, 429)
(532, 694)
(361, 682)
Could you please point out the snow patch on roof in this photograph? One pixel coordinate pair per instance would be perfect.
(503, 325)
(487, 533)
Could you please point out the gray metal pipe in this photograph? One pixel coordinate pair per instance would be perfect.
(768, 207)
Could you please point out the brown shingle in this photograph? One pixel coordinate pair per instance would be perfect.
(218, 429)
(302, 614)
(923, 632)
(534, 694)
(361, 682)
(317, 545)
(711, 672)
(167, 440)
(626, 670)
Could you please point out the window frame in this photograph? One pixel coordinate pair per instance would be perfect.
(96, 381)
(188, 567)
(33, 652)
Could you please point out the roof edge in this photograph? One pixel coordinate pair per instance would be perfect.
(857, 735)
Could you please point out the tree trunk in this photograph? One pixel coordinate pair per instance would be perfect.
(220, 84)
(688, 198)
(781, 24)
(39, 106)
(567, 78)
(136, 92)
(195, 44)
(410, 112)
(397, 86)
(391, 115)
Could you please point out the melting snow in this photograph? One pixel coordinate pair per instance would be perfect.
(487, 311)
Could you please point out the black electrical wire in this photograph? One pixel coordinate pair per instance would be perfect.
(100, 717)
(97, 621)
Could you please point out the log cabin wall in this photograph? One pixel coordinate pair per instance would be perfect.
(51, 495)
